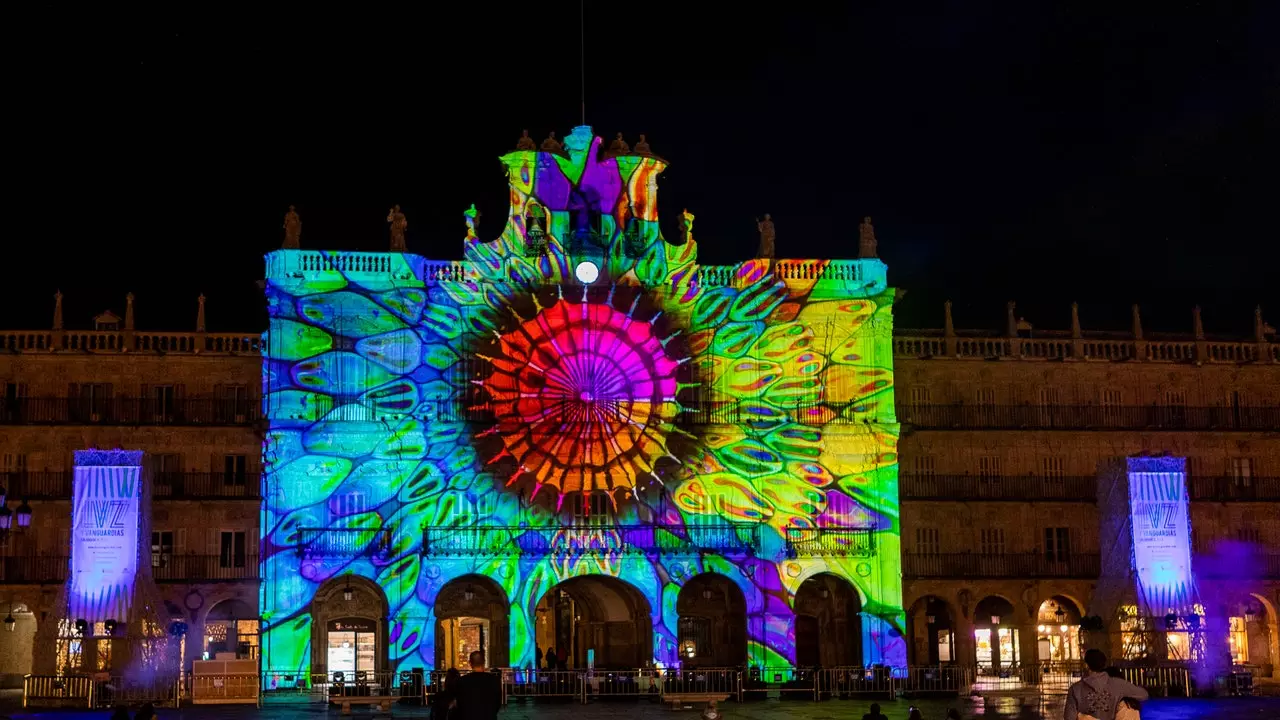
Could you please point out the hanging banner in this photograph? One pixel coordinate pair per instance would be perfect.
(104, 534)
(1161, 532)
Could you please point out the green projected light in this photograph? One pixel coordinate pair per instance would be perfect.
(433, 420)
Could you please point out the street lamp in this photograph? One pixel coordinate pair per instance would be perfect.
(6, 519)
(24, 516)
(347, 594)
(3, 494)
(468, 594)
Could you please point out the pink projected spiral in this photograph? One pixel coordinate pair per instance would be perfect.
(584, 396)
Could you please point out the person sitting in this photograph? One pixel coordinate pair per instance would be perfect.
(875, 713)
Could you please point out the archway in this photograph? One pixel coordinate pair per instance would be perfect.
(996, 642)
(595, 620)
(1058, 631)
(931, 625)
(230, 628)
(349, 627)
(471, 614)
(17, 643)
(828, 629)
(1251, 633)
(712, 623)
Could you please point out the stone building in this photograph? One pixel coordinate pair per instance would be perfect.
(191, 401)
(1002, 437)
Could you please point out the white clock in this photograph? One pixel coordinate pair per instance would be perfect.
(586, 272)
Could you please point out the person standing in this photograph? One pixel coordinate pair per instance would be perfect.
(443, 702)
(1098, 695)
(479, 692)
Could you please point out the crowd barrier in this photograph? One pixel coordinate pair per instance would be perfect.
(590, 685)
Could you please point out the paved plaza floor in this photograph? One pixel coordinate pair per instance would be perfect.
(995, 707)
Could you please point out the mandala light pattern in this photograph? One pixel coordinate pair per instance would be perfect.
(585, 397)
(412, 386)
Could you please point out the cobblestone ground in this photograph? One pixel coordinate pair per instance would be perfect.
(1001, 707)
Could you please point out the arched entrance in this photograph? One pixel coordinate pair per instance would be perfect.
(349, 627)
(712, 623)
(1252, 631)
(230, 628)
(996, 641)
(828, 623)
(17, 643)
(471, 614)
(932, 630)
(1058, 631)
(597, 621)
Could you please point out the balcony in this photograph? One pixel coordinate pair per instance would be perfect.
(203, 568)
(831, 542)
(56, 485)
(343, 541)
(1075, 488)
(1235, 489)
(1007, 565)
(34, 569)
(206, 486)
(726, 538)
(194, 411)
(1257, 566)
(1089, 417)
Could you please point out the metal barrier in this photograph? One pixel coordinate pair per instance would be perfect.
(702, 681)
(113, 691)
(225, 689)
(320, 687)
(1166, 681)
(785, 681)
(846, 682)
(608, 684)
(936, 680)
(57, 691)
(525, 684)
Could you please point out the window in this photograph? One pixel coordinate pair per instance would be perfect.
(92, 401)
(1054, 471)
(161, 548)
(1050, 401)
(166, 474)
(1057, 544)
(695, 637)
(1238, 640)
(992, 541)
(590, 509)
(234, 401)
(234, 470)
(1133, 633)
(15, 463)
(1176, 402)
(989, 476)
(11, 396)
(927, 541)
(986, 397)
(920, 396)
(1112, 407)
(232, 552)
(924, 465)
(163, 401)
(1241, 471)
(352, 503)
(1249, 535)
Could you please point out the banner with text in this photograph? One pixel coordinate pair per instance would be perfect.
(104, 542)
(1161, 534)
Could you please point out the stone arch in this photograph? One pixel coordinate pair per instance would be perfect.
(1252, 632)
(828, 622)
(932, 622)
(367, 610)
(471, 613)
(17, 647)
(997, 642)
(230, 626)
(599, 613)
(1058, 631)
(711, 622)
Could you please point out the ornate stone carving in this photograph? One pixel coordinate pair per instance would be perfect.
(398, 225)
(866, 239)
(525, 142)
(642, 147)
(552, 145)
(619, 146)
(767, 236)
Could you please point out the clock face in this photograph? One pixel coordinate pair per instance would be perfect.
(586, 272)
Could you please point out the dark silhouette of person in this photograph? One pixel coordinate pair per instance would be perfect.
(562, 658)
(445, 698)
(550, 658)
(915, 714)
(479, 692)
(146, 712)
(875, 713)
(953, 714)
(121, 713)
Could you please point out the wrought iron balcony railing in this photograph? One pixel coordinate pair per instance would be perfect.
(173, 567)
(1004, 565)
(56, 485)
(127, 411)
(342, 542)
(835, 542)
(1089, 417)
(1235, 489)
(1073, 488)
(34, 569)
(591, 540)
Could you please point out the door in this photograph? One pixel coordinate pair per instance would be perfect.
(807, 641)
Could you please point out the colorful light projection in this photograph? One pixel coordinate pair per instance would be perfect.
(1161, 526)
(412, 399)
(104, 535)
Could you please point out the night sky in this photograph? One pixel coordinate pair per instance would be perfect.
(1004, 150)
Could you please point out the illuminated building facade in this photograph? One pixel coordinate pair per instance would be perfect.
(578, 438)
(189, 400)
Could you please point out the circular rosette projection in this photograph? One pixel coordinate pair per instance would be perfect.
(584, 395)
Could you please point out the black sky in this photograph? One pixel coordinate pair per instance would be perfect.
(1108, 155)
